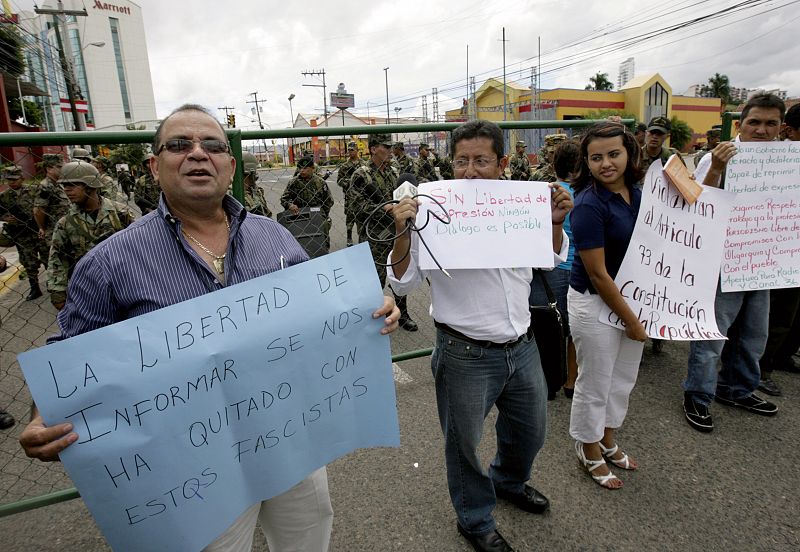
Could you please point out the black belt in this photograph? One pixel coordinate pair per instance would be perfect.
(485, 344)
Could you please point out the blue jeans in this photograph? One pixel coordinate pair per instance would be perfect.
(743, 316)
(470, 380)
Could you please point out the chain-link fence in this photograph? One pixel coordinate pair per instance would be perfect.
(311, 201)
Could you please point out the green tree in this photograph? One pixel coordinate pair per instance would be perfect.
(11, 59)
(132, 154)
(600, 82)
(680, 135)
(606, 113)
(719, 86)
(33, 113)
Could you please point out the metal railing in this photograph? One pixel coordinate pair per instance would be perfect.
(236, 138)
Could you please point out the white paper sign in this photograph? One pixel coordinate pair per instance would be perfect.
(669, 274)
(493, 224)
(762, 246)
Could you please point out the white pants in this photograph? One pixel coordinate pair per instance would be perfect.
(608, 363)
(298, 520)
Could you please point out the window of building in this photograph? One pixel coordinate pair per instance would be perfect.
(123, 83)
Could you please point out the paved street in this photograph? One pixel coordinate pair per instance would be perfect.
(735, 489)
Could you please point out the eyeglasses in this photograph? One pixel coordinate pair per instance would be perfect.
(180, 145)
(479, 162)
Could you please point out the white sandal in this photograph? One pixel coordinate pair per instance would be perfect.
(623, 462)
(592, 465)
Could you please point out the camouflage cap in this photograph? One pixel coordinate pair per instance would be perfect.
(80, 171)
(714, 132)
(147, 158)
(101, 160)
(305, 162)
(52, 160)
(399, 145)
(555, 139)
(352, 146)
(423, 145)
(660, 124)
(380, 140)
(12, 172)
(641, 127)
(520, 143)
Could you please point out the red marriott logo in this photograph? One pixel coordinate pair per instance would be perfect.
(98, 5)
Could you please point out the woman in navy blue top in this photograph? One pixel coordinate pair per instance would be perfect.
(606, 205)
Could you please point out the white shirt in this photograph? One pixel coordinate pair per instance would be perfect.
(483, 304)
(702, 168)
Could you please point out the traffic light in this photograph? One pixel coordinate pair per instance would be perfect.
(231, 120)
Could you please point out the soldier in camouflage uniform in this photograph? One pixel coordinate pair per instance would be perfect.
(519, 164)
(445, 166)
(712, 139)
(404, 163)
(373, 185)
(146, 191)
(545, 172)
(91, 219)
(110, 188)
(426, 172)
(308, 189)
(254, 200)
(346, 171)
(16, 204)
(50, 202)
(657, 133)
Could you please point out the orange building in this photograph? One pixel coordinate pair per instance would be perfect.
(644, 97)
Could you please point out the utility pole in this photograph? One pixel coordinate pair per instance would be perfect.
(469, 103)
(505, 94)
(425, 113)
(435, 102)
(226, 109)
(386, 74)
(321, 72)
(257, 109)
(65, 56)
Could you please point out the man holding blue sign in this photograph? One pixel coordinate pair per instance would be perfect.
(485, 355)
(199, 240)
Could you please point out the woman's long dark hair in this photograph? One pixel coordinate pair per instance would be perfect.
(607, 129)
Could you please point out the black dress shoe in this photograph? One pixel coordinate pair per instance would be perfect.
(407, 324)
(6, 420)
(529, 499)
(492, 541)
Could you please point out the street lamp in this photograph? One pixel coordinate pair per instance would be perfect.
(397, 111)
(98, 44)
(386, 73)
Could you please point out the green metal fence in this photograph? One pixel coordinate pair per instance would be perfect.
(27, 324)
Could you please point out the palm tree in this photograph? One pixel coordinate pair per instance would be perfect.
(600, 82)
(680, 135)
(720, 87)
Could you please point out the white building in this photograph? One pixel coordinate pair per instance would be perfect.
(626, 72)
(109, 59)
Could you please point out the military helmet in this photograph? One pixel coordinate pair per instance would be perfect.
(100, 160)
(80, 153)
(520, 143)
(351, 146)
(249, 163)
(12, 172)
(80, 171)
(147, 158)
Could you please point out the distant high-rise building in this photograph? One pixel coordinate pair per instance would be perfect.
(109, 61)
(626, 72)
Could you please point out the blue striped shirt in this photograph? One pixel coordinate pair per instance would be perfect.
(150, 265)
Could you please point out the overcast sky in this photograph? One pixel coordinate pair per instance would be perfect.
(218, 52)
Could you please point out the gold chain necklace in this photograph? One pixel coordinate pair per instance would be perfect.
(217, 260)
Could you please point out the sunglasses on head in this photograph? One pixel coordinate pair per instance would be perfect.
(180, 145)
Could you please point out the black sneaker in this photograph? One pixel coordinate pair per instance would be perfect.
(769, 387)
(697, 415)
(753, 403)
